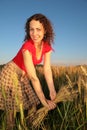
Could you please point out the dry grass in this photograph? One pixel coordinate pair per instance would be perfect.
(69, 75)
(66, 80)
(66, 93)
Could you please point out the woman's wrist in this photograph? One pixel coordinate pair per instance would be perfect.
(44, 102)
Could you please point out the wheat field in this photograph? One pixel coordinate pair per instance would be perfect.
(68, 115)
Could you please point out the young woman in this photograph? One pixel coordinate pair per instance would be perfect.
(15, 77)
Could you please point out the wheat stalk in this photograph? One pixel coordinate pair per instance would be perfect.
(84, 70)
(66, 93)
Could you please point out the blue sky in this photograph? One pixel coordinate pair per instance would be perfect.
(69, 19)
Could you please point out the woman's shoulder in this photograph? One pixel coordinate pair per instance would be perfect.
(28, 42)
(47, 47)
(28, 45)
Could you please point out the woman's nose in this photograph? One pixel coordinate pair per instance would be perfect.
(34, 32)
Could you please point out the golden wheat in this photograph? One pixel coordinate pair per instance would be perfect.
(66, 93)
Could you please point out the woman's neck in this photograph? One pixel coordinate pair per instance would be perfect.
(38, 45)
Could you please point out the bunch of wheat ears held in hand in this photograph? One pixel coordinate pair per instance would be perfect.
(66, 93)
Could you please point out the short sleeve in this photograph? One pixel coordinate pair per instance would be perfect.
(47, 48)
(28, 46)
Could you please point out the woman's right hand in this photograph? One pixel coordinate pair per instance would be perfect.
(49, 104)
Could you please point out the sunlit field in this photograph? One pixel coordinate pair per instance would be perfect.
(69, 114)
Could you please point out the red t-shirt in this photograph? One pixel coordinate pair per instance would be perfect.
(29, 45)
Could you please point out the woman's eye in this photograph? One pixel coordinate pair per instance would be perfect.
(31, 29)
(38, 29)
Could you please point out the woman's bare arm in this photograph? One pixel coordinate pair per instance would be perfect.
(48, 75)
(34, 79)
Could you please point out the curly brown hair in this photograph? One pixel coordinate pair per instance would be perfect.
(49, 35)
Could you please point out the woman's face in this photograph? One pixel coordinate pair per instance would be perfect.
(36, 31)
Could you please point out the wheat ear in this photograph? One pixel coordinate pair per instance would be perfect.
(64, 94)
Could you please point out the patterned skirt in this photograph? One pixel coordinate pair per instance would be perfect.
(16, 92)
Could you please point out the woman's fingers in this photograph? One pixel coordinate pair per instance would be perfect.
(51, 105)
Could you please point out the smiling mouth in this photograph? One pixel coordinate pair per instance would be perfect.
(35, 39)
